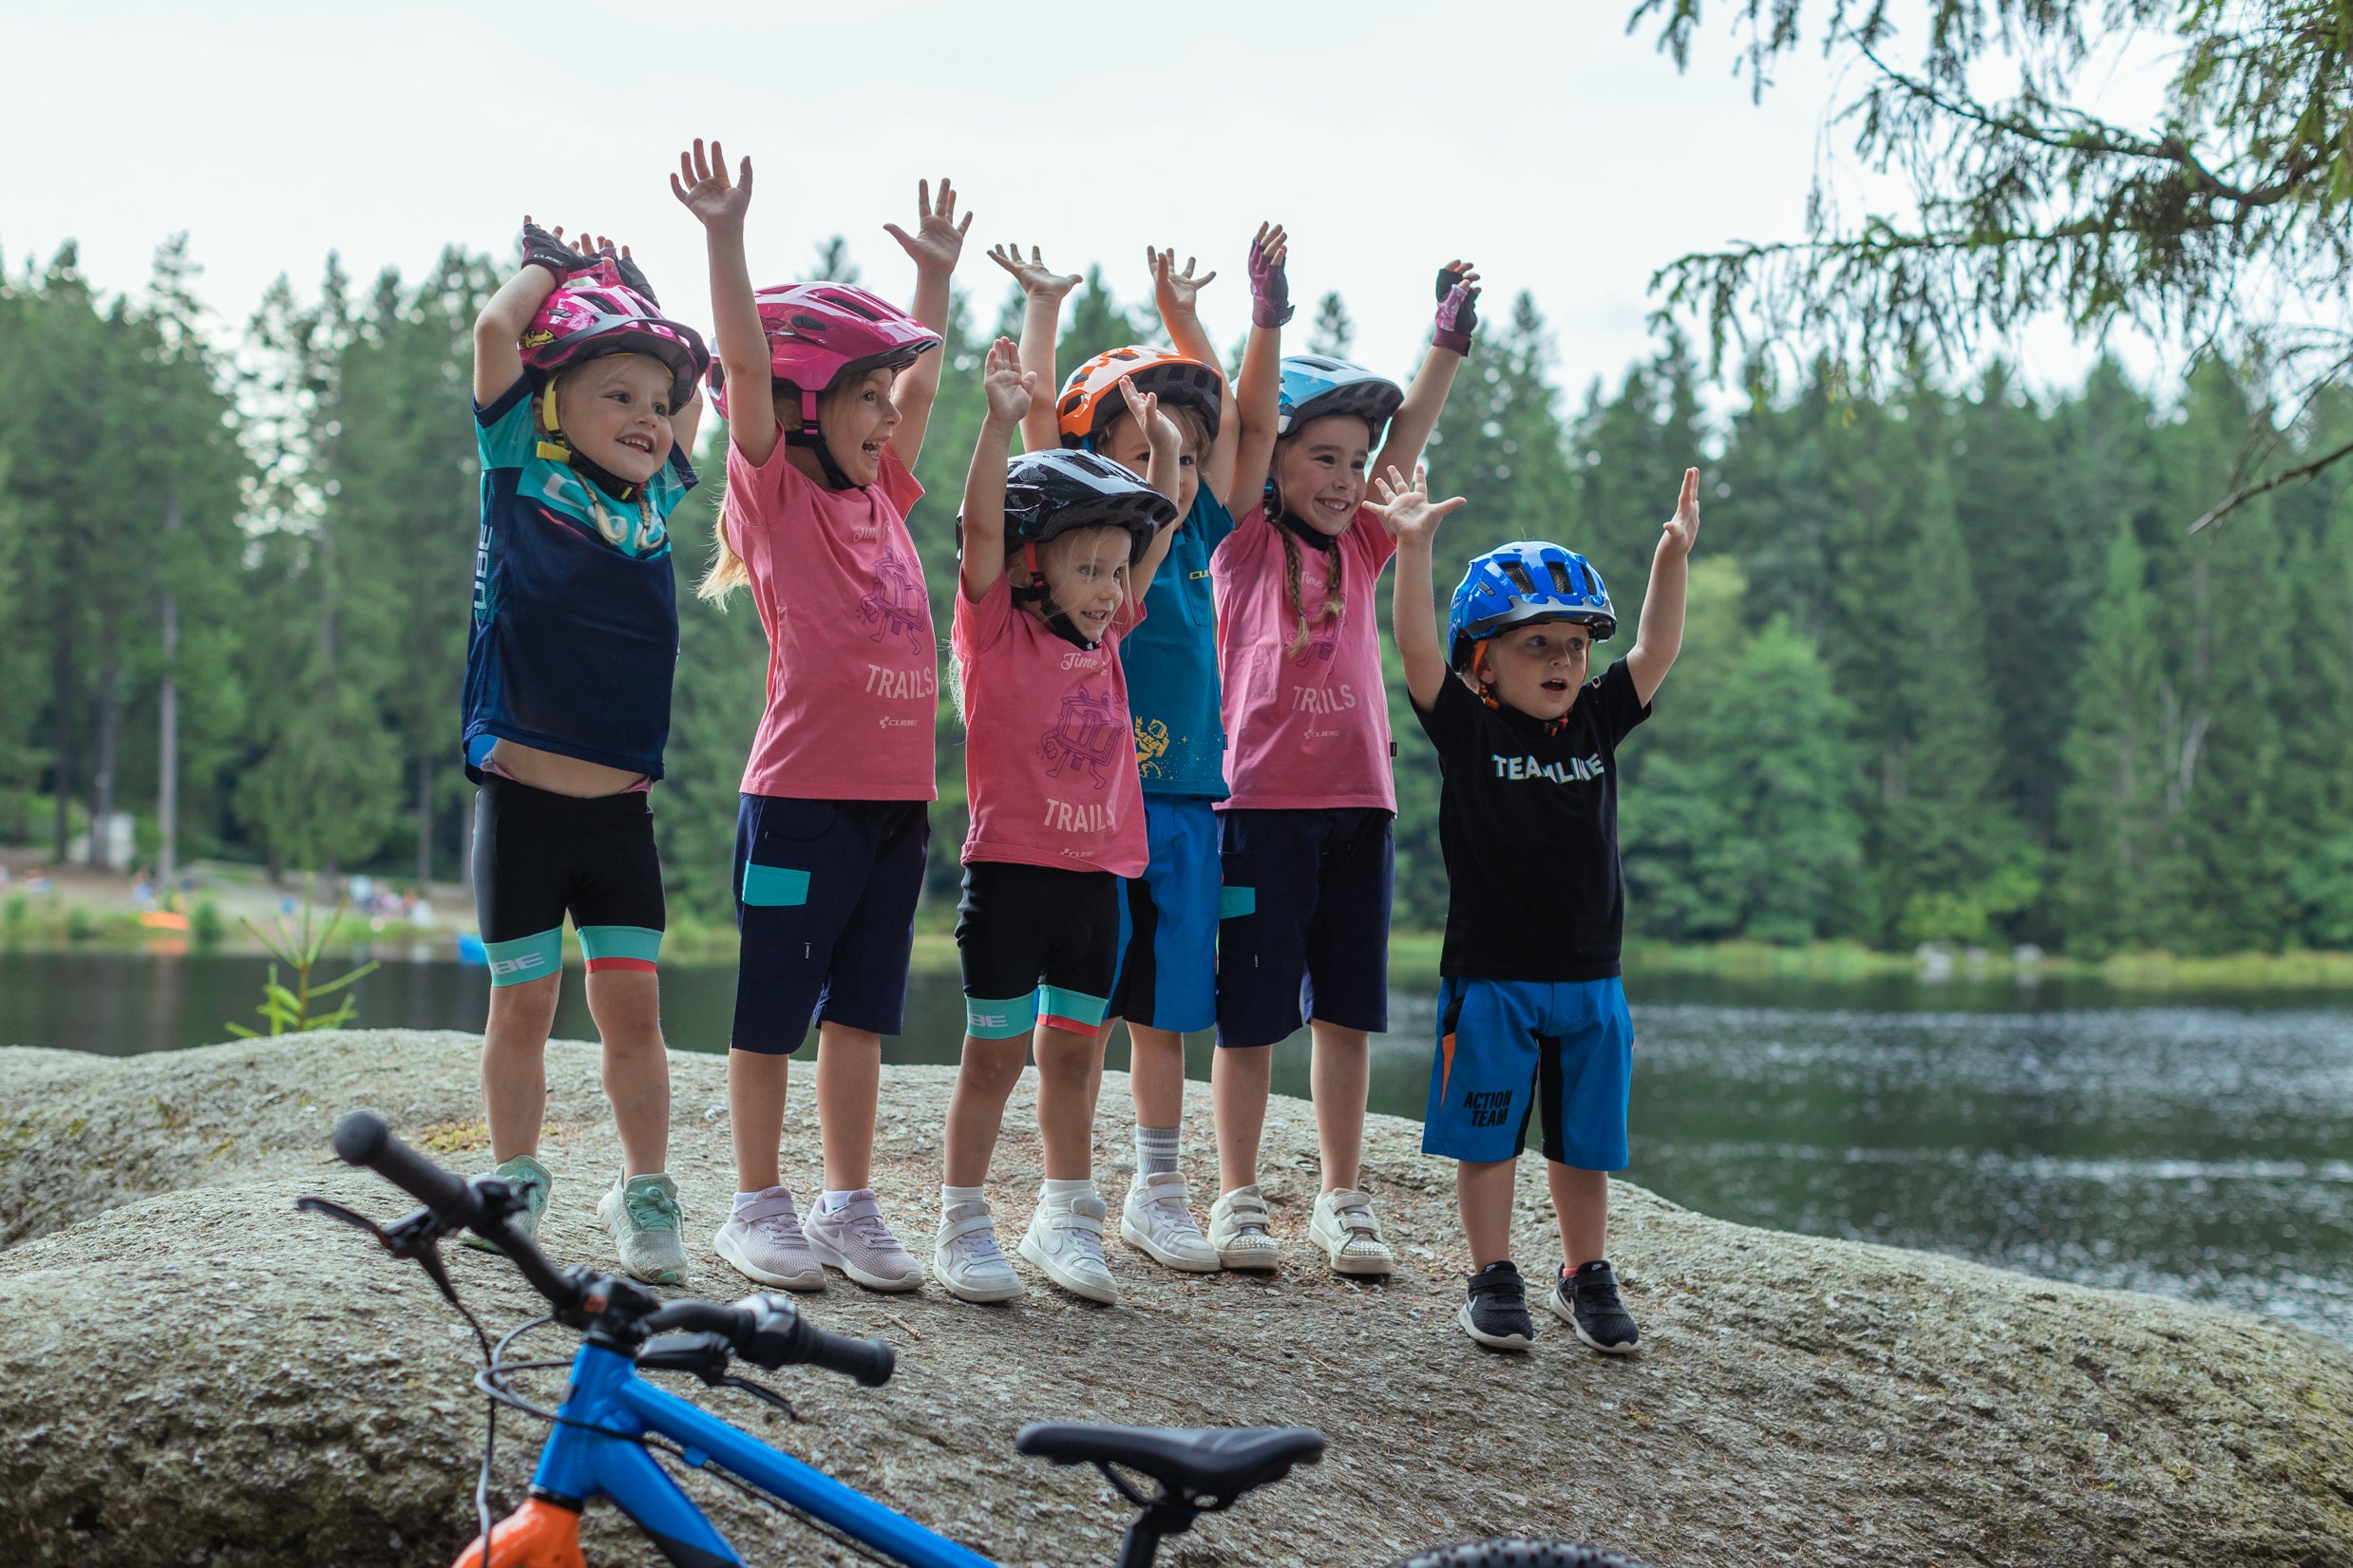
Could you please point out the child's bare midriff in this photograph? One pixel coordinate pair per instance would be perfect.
(561, 775)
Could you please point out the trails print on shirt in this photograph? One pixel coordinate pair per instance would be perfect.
(895, 604)
(1085, 737)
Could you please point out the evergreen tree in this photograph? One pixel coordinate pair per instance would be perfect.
(1332, 332)
(2109, 810)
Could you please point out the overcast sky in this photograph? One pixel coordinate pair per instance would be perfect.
(1541, 140)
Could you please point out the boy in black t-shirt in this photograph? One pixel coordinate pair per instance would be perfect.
(1532, 1018)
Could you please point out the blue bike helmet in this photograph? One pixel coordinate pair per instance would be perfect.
(1526, 580)
(1314, 386)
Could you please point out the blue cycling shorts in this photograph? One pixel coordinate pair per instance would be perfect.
(1562, 1052)
(1169, 921)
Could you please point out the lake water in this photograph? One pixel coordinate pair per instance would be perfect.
(2200, 1148)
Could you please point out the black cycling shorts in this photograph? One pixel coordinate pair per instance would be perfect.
(1040, 943)
(539, 855)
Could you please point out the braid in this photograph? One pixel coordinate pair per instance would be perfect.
(1295, 590)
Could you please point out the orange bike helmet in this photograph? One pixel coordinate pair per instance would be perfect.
(1092, 396)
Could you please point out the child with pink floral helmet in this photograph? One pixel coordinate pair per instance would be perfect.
(828, 389)
(584, 406)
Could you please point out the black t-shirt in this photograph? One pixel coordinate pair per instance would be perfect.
(1529, 826)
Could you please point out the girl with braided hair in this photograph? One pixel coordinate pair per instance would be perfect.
(1306, 854)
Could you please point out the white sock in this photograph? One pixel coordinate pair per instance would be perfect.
(742, 1199)
(951, 1197)
(1052, 1191)
(829, 1200)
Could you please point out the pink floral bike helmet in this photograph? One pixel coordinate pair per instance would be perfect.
(818, 332)
(592, 313)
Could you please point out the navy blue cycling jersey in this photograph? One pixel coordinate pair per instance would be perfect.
(576, 609)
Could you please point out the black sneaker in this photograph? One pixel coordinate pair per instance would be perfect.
(1587, 1301)
(1495, 1312)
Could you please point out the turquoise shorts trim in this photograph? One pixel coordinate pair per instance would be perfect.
(1011, 1019)
(1562, 1052)
(614, 947)
(529, 958)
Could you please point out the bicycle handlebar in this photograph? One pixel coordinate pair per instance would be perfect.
(767, 1331)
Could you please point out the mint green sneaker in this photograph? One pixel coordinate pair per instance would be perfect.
(528, 1177)
(642, 1212)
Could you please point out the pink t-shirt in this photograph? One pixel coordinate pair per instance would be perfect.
(1311, 732)
(853, 669)
(1049, 759)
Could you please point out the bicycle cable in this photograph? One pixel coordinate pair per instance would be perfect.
(489, 1381)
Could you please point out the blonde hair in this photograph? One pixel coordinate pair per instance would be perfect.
(727, 571)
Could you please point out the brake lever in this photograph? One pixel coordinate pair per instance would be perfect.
(760, 1390)
(413, 1236)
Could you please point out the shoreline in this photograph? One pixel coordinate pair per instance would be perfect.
(697, 944)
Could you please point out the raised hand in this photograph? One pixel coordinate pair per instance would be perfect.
(1681, 531)
(702, 184)
(1458, 307)
(939, 238)
(1145, 407)
(1172, 290)
(1270, 287)
(1035, 277)
(547, 249)
(1405, 510)
(1007, 386)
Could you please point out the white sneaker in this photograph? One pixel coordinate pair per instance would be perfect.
(1241, 1231)
(1344, 1227)
(1065, 1240)
(855, 1239)
(763, 1241)
(966, 1259)
(1157, 1222)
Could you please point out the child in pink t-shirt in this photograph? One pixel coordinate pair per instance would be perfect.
(1306, 830)
(1059, 548)
(828, 390)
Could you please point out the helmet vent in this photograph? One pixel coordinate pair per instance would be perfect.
(1520, 579)
(852, 304)
(1560, 584)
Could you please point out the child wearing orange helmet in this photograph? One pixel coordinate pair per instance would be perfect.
(1306, 849)
(1169, 916)
(828, 390)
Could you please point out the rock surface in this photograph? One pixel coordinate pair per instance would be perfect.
(190, 1372)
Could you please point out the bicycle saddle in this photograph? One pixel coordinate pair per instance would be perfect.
(1206, 1467)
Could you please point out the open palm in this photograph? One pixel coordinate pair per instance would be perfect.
(939, 238)
(702, 184)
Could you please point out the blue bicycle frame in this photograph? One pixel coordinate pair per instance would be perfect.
(577, 1465)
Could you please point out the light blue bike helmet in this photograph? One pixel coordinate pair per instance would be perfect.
(1314, 386)
(1526, 580)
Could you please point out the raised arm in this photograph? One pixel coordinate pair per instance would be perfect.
(1175, 293)
(934, 246)
(1412, 520)
(1458, 317)
(1659, 636)
(1009, 390)
(1042, 291)
(498, 331)
(702, 184)
(1162, 471)
(1257, 398)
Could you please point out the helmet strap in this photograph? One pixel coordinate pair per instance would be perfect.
(808, 435)
(554, 448)
(1056, 619)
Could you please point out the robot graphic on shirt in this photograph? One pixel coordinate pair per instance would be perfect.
(1085, 737)
(1152, 744)
(894, 605)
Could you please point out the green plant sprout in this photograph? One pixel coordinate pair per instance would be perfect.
(288, 1011)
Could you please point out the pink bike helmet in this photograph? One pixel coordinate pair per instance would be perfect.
(818, 332)
(594, 313)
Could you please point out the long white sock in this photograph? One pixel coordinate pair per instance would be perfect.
(1052, 1191)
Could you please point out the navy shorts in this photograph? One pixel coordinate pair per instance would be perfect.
(825, 902)
(1039, 944)
(1306, 927)
(539, 855)
(1561, 1050)
(1169, 921)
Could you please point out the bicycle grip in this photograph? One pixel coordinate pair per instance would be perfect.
(362, 1139)
(869, 1361)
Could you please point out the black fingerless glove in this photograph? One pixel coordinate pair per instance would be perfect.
(633, 276)
(1458, 312)
(541, 249)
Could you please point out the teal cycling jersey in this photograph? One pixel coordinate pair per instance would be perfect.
(1171, 661)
